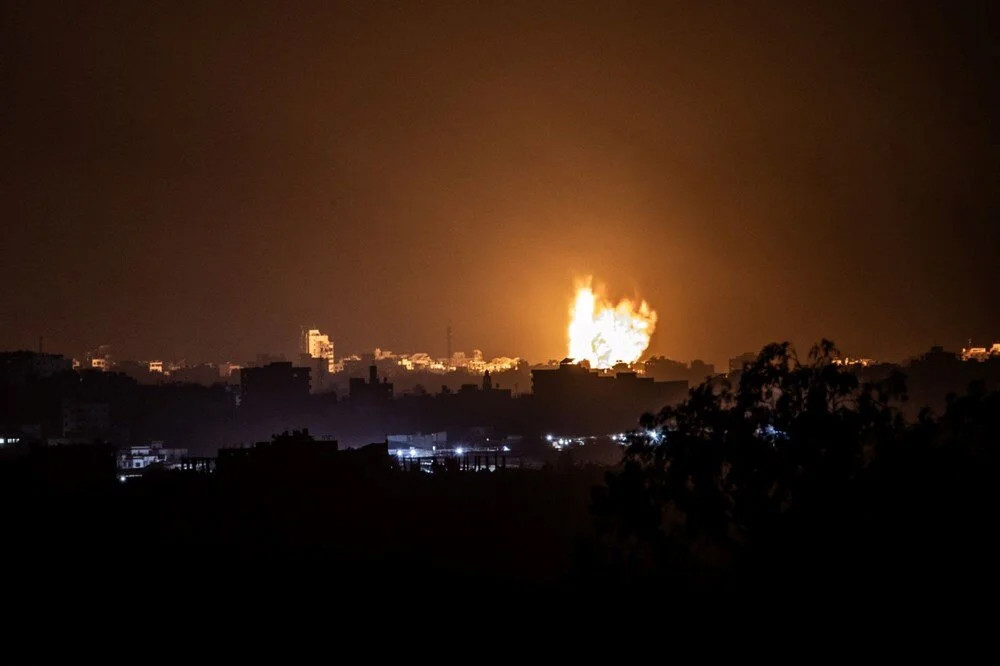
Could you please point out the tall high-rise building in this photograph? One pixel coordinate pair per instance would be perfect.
(316, 344)
(316, 347)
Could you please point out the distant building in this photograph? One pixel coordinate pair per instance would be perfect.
(298, 457)
(316, 353)
(423, 361)
(663, 369)
(316, 344)
(475, 364)
(83, 420)
(229, 369)
(372, 390)
(205, 374)
(99, 359)
(981, 353)
(699, 371)
(320, 373)
(17, 367)
(416, 444)
(573, 397)
(737, 363)
(275, 384)
(138, 371)
(156, 366)
(133, 458)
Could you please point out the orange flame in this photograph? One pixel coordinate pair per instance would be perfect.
(603, 333)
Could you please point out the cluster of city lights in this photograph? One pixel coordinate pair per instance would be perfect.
(560, 443)
(770, 433)
(652, 435)
(623, 438)
(475, 364)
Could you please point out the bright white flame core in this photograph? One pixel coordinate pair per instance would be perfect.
(603, 333)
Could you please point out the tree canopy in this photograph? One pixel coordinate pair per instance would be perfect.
(796, 468)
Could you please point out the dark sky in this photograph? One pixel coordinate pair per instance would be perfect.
(198, 180)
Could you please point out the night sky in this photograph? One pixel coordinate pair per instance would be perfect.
(183, 181)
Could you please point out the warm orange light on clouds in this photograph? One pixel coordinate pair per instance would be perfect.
(603, 333)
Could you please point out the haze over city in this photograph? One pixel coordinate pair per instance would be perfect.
(193, 181)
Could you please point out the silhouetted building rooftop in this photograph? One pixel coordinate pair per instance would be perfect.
(372, 390)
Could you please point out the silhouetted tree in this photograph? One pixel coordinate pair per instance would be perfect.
(734, 470)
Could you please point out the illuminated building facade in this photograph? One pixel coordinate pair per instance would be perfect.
(317, 344)
(476, 364)
(99, 359)
(981, 353)
(134, 458)
(410, 444)
(316, 353)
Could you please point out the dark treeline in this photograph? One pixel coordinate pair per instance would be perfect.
(802, 479)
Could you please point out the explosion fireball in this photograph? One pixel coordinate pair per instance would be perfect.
(603, 333)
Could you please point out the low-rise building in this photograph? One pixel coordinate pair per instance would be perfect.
(133, 459)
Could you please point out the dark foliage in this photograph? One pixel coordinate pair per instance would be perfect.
(799, 477)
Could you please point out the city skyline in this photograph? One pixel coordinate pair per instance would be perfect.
(601, 331)
(968, 349)
(126, 346)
